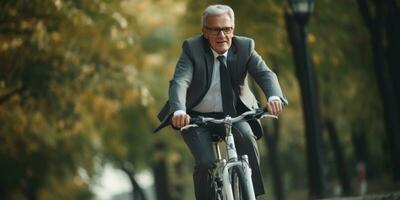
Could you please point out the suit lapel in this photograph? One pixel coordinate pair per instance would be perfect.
(232, 65)
(209, 62)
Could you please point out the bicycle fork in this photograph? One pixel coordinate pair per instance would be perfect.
(222, 177)
(247, 173)
(232, 162)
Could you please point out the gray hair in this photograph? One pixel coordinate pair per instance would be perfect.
(217, 9)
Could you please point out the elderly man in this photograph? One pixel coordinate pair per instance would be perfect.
(210, 80)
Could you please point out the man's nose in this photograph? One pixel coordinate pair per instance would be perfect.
(221, 33)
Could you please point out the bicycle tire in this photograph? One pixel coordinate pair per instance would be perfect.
(238, 184)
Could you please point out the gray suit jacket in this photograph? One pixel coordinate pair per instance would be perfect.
(193, 72)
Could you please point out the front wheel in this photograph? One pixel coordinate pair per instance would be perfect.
(239, 187)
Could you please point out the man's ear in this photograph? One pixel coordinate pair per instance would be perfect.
(204, 33)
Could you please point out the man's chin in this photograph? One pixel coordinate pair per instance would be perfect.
(221, 49)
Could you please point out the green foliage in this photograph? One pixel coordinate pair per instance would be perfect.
(73, 88)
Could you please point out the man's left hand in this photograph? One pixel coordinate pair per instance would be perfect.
(274, 107)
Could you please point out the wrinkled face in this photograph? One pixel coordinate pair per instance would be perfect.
(219, 32)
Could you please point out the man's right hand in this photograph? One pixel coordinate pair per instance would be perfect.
(180, 119)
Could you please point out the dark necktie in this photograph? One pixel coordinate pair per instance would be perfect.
(226, 89)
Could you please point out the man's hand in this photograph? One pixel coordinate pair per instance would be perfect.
(180, 119)
(274, 107)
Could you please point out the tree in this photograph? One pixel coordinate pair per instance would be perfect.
(67, 78)
(375, 22)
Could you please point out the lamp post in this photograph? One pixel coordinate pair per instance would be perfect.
(302, 10)
(296, 22)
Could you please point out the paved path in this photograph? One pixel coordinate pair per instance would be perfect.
(390, 196)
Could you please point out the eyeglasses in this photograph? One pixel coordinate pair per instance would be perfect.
(215, 31)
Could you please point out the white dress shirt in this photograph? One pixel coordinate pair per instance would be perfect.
(212, 101)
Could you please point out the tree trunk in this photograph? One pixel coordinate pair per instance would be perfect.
(271, 139)
(179, 186)
(361, 153)
(310, 101)
(161, 180)
(393, 41)
(360, 144)
(30, 190)
(386, 89)
(161, 175)
(340, 159)
(31, 194)
(138, 193)
(393, 49)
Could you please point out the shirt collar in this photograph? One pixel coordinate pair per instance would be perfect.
(216, 54)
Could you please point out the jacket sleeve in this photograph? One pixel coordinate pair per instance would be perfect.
(181, 80)
(263, 75)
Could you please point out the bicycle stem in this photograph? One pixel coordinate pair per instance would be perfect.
(229, 140)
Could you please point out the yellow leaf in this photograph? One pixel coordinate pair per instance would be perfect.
(316, 57)
(311, 38)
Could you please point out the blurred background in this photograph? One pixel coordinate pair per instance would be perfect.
(81, 83)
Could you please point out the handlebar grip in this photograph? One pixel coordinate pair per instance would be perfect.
(259, 112)
(197, 120)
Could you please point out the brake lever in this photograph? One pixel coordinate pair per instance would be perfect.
(269, 115)
(258, 113)
(189, 126)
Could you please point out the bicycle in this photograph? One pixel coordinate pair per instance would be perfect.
(231, 177)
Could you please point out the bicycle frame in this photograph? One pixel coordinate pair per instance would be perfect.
(223, 166)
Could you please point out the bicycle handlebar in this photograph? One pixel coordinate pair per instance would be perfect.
(252, 114)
